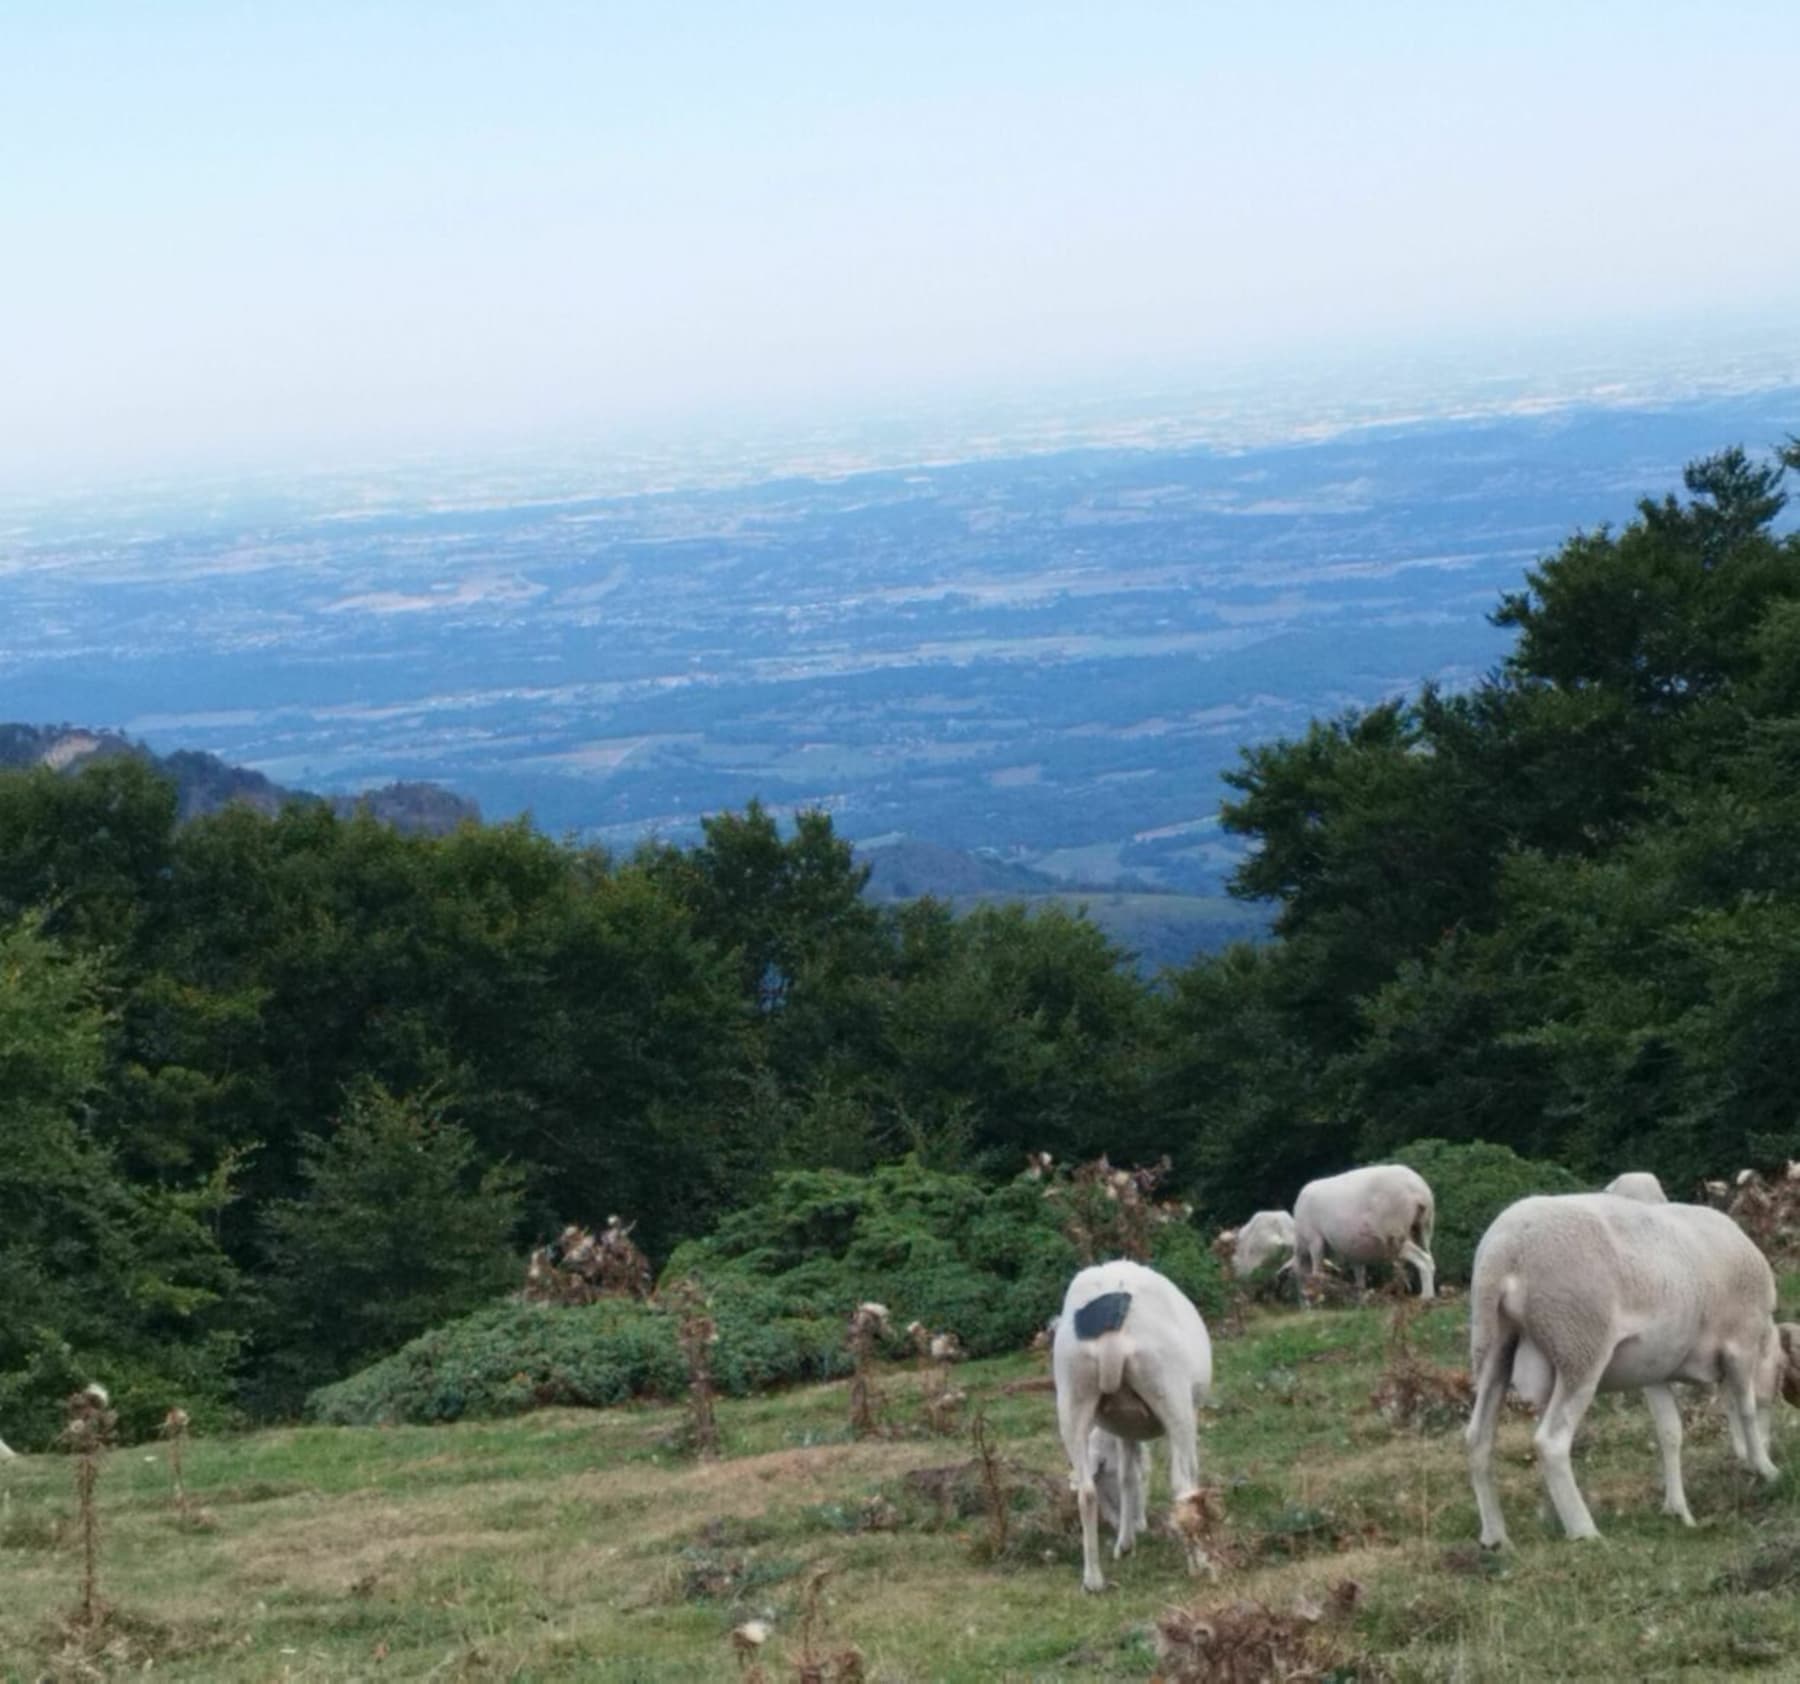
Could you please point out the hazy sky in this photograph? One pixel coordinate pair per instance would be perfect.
(248, 230)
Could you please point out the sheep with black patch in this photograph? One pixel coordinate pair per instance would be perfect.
(1132, 1362)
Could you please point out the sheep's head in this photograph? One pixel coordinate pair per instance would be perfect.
(1266, 1235)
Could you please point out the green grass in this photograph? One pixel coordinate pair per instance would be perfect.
(570, 1545)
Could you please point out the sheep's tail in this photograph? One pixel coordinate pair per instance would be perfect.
(1496, 1309)
(1110, 1354)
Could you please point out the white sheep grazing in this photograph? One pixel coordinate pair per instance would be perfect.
(1637, 1184)
(1381, 1214)
(1585, 1292)
(1132, 1362)
(1267, 1234)
(7, 1455)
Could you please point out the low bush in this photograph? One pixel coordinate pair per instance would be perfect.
(1472, 1183)
(514, 1357)
(782, 1276)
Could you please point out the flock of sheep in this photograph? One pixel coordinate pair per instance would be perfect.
(1571, 1295)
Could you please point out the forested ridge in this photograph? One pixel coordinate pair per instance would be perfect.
(278, 1093)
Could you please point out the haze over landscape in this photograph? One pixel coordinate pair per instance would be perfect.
(978, 426)
(258, 238)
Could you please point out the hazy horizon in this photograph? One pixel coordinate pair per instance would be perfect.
(248, 240)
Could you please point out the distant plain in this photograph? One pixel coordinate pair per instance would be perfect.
(1046, 659)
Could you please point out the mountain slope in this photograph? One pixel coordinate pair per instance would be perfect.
(204, 783)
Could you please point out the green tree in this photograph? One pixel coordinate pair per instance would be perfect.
(400, 1227)
(100, 1279)
(1021, 1031)
(1237, 1089)
(85, 851)
(781, 906)
(1662, 612)
(1519, 911)
(813, 961)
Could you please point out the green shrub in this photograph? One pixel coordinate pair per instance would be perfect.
(989, 1264)
(515, 1356)
(1472, 1183)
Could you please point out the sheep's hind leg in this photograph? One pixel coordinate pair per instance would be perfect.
(1740, 1447)
(1740, 1400)
(1309, 1263)
(1171, 1400)
(1076, 1418)
(1421, 1259)
(1665, 1413)
(1484, 1423)
(1555, 1438)
(1133, 1476)
(1146, 1474)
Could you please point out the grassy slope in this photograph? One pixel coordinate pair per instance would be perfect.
(560, 1546)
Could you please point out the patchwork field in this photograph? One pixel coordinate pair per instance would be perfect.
(570, 1545)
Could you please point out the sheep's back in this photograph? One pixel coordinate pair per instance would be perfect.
(1684, 1270)
(1153, 1295)
(1363, 1214)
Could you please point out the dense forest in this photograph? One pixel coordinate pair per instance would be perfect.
(280, 1092)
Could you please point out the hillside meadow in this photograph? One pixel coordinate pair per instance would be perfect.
(586, 1545)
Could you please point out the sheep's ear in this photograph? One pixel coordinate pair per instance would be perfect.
(1790, 1361)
